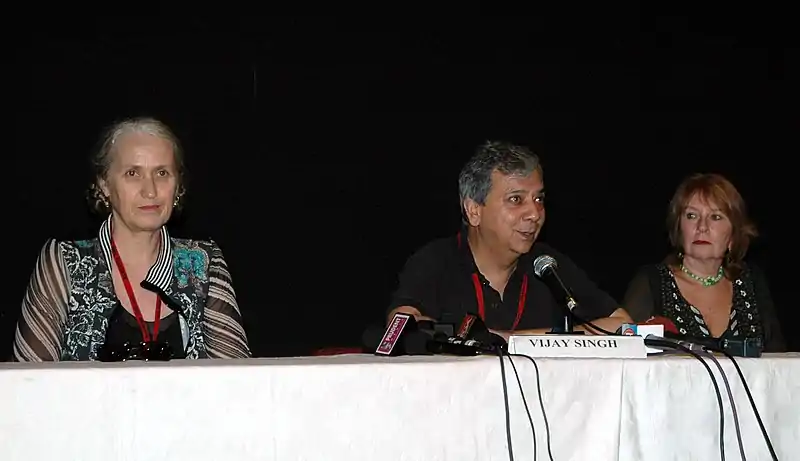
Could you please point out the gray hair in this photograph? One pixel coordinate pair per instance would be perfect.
(475, 179)
(104, 155)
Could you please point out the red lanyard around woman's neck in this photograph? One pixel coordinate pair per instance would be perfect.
(132, 298)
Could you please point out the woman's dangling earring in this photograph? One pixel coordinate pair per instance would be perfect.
(178, 197)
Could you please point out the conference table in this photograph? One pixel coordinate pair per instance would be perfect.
(421, 408)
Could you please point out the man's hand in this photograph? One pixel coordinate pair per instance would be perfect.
(610, 323)
(410, 311)
(502, 333)
(505, 334)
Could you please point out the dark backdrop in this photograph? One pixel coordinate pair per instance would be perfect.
(323, 151)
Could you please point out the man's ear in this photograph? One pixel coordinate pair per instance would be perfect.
(472, 210)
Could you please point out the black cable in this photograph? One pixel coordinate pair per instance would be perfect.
(593, 326)
(664, 344)
(752, 405)
(669, 345)
(541, 402)
(525, 403)
(505, 403)
(731, 399)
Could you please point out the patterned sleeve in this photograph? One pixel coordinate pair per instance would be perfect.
(222, 323)
(40, 329)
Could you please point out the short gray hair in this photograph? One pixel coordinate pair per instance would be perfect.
(475, 179)
(104, 155)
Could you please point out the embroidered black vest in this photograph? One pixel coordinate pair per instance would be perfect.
(92, 298)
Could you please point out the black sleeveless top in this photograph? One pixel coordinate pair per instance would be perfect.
(654, 292)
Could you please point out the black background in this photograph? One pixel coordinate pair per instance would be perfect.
(323, 151)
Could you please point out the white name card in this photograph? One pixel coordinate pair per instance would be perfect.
(578, 346)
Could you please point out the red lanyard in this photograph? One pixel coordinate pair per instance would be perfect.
(523, 295)
(132, 297)
(476, 281)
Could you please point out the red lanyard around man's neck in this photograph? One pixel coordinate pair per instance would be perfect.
(523, 295)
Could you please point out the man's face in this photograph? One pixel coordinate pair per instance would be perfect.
(513, 214)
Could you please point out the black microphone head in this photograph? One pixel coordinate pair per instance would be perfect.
(391, 339)
(544, 263)
(478, 331)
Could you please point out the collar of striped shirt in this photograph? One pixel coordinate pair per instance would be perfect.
(160, 274)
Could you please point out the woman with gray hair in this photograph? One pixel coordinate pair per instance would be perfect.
(133, 292)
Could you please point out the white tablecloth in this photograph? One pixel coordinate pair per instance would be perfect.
(406, 408)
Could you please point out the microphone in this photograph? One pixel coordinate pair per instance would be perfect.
(747, 347)
(405, 336)
(453, 345)
(473, 328)
(660, 342)
(545, 267)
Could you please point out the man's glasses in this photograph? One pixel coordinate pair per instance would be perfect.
(147, 351)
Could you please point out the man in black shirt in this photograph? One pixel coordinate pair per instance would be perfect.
(487, 268)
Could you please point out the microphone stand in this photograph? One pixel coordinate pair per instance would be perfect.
(566, 326)
(543, 267)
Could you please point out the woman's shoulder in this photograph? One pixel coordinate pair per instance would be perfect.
(57, 255)
(652, 270)
(192, 248)
(201, 256)
(749, 267)
(53, 244)
(207, 245)
(753, 272)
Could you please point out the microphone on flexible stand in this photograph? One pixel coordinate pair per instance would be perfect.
(545, 267)
(747, 347)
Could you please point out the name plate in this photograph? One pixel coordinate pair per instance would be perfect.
(578, 346)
